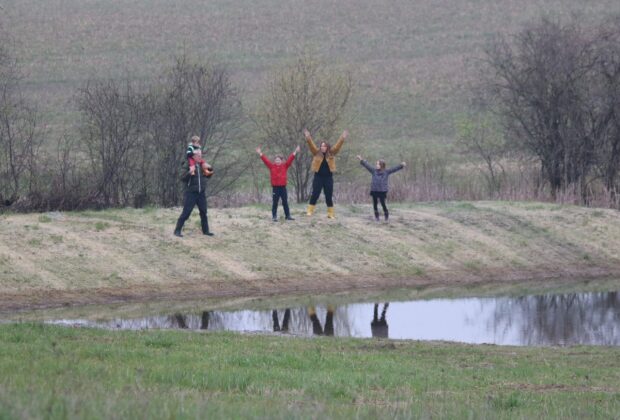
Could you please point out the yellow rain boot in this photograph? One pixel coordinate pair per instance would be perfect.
(310, 210)
(331, 213)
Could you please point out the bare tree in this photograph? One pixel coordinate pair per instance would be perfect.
(113, 119)
(136, 136)
(196, 98)
(19, 134)
(608, 92)
(479, 137)
(541, 81)
(305, 94)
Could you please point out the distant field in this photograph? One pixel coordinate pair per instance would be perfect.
(411, 59)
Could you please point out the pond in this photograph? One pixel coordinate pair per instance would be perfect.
(591, 318)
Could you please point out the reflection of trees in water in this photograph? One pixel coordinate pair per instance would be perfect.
(592, 318)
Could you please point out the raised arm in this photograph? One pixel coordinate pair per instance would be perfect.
(340, 142)
(290, 160)
(366, 165)
(266, 161)
(313, 149)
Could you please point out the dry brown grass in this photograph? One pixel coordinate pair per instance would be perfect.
(131, 254)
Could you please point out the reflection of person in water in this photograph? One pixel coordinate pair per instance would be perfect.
(317, 329)
(179, 320)
(204, 320)
(379, 326)
(285, 320)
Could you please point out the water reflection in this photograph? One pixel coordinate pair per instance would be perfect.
(379, 326)
(586, 318)
(317, 329)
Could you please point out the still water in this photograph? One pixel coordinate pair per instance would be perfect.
(542, 320)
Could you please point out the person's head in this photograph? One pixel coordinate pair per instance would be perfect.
(195, 140)
(380, 165)
(324, 147)
(278, 160)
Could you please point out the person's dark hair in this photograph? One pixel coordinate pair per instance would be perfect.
(382, 164)
(326, 144)
(279, 156)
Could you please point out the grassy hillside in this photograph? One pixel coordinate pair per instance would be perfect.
(50, 259)
(58, 372)
(411, 59)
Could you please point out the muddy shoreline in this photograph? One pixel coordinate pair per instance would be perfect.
(37, 298)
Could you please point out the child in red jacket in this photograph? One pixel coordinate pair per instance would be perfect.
(278, 170)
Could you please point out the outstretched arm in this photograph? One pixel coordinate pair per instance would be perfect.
(396, 168)
(313, 149)
(340, 142)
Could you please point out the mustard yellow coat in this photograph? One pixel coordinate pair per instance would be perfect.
(318, 155)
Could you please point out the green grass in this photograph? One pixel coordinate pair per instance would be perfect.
(58, 372)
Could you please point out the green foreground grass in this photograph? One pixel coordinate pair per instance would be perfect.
(57, 372)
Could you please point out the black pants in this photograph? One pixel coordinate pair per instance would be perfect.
(325, 183)
(279, 192)
(379, 196)
(191, 199)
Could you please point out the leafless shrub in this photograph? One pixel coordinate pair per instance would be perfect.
(555, 87)
(19, 133)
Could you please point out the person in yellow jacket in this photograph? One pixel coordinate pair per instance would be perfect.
(323, 165)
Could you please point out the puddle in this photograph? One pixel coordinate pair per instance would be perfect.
(543, 320)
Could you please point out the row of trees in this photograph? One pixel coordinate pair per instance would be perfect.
(132, 135)
(552, 92)
(549, 94)
(135, 136)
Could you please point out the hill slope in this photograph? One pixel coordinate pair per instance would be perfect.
(51, 259)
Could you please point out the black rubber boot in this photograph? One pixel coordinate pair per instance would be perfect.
(377, 216)
(205, 227)
(177, 230)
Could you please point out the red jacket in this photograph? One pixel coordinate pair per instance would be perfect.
(278, 172)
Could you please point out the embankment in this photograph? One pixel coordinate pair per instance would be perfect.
(56, 259)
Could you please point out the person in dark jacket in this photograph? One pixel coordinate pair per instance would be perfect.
(278, 169)
(195, 194)
(379, 183)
